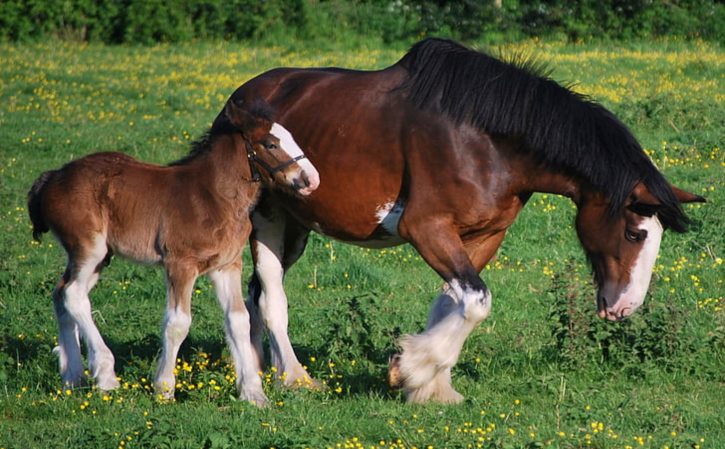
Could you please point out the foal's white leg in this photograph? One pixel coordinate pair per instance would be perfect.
(269, 250)
(427, 358)
(69, 346)
(76, 303)
(227, 284)
(175, 328)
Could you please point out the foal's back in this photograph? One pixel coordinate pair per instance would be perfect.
(141, 211)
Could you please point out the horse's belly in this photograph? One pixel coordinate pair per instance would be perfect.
(385, 228)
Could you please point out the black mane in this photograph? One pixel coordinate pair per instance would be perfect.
(562, 128)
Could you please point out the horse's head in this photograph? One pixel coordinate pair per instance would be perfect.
(623, 246)
(272, 148)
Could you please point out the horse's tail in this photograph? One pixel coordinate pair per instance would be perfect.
(34, 207)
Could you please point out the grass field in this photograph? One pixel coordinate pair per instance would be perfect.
(542, 371)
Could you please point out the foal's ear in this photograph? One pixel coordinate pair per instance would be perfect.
(238, 116)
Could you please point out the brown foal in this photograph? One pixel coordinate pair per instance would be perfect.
(191, 217)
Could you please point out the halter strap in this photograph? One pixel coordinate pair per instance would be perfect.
(254, 161)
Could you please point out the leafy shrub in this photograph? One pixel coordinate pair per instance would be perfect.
(657, 334)
(388, 21)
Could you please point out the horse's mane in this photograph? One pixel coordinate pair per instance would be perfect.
(222, 126)
(561, 128)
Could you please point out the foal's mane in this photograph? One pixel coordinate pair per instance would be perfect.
(561, 128)
(221, 127)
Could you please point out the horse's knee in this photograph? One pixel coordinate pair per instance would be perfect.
(475, 301)
(477, 306)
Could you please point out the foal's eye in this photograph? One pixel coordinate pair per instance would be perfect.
(269, 146)
(635, 236)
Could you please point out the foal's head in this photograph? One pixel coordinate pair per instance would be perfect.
(272, 148)
(623, 246)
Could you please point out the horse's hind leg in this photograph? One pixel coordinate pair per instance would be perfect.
(73, 311)
(276, 244)
(227, 284)
(179, 283)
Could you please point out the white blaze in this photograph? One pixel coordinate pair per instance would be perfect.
(289, 146)
(622, 301)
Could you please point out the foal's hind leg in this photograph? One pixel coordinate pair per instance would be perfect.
(73, 311)
(177, 321)
(227, 284)
(277, 243)
(69, 346)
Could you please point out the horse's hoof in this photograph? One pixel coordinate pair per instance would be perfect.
(107, 384)
(395, 380)
(258, 400)
(304, 382)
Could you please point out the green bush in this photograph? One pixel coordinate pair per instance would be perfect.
(386, 21)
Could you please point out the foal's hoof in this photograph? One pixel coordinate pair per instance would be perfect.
(395, 379)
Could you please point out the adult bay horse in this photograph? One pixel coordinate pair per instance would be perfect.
(192, 217)
(442, 150)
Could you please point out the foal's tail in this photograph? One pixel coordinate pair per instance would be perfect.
(34, 209)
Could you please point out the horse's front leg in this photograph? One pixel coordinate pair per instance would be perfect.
(180, 279)
(237, 328)
(423, 368)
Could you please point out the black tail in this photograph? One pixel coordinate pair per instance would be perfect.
(34, 210)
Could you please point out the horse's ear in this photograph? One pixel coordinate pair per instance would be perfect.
(642, 195)
(238, 116)
(686, 197)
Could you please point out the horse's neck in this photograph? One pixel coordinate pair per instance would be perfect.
(535, 178)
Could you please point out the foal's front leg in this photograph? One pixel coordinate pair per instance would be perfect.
(177, 320)
(227, 284)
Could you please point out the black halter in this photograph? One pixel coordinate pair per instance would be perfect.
(254, 160)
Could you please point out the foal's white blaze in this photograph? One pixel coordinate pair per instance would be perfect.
(289, 146)
(623, 300)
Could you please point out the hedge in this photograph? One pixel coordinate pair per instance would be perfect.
(150, 21)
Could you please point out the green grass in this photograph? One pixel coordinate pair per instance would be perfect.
(541, 371)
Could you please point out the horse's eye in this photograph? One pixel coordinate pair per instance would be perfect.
(635, 236)
(270, 146)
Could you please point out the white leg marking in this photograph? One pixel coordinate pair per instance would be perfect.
(78, 305)
(237, 329)
(454, 315)
(273, 302)
(69, 347)
(175, 328)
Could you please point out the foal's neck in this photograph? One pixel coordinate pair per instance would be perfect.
(225, 167)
